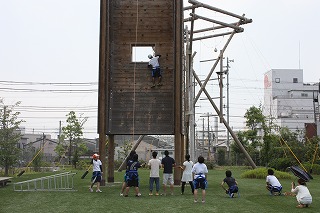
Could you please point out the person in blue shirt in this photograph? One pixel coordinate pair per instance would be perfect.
(132, 175)
(124, 184)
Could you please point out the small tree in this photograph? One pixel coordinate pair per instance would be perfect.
(73, 132)
(9, 135)
(254, 120)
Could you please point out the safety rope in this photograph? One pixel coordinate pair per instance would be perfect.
(314, 157)
(284, 151)
(36, 154)
(293, 154)
(134, 73)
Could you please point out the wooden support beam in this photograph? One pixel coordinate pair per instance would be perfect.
(111, 159)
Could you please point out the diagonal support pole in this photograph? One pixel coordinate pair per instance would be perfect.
(253, 165)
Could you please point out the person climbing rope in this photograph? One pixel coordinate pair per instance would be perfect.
(156, 72)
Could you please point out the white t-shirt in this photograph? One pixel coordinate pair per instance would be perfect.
(187, 172)
(273, 180)
(96, 165)
(303, 194)
(199, 169)
(155, 165)
(154, 62)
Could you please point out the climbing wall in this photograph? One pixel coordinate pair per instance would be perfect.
(131, 105)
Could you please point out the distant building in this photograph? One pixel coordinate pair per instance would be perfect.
(288, 101)
(31, 143)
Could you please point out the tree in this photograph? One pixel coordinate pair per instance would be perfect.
(250, 139)
(9, 135)
(254, 120)
(73, 132)
(254, 117)
(127, 146)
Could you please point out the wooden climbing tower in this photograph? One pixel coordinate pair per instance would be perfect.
(127, 103)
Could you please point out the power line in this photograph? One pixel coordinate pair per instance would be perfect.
(50, 83)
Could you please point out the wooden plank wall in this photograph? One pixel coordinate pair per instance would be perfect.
(132, 106)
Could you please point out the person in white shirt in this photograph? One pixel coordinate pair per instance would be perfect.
(303, 195)
(154, 165)
(273, 184)
(200, 171)
(156, 71)
(187, 174)
(96, 174)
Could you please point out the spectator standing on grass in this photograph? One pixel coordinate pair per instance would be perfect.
(200, 171)
(133, 176)
(124, 184)
(96, 174)
(154, 165)
(187, 174)
(168, 163)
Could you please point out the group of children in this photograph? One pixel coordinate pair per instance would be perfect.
(194, 174)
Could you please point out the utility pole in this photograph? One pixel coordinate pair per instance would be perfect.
(203, 133)
(209, 144)
(59, 136)
(208, 133)
(228, 107)
(43, 138)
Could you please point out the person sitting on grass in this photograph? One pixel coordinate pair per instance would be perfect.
(232, 184)
(133, 176)
(303, 195)
(273, 184)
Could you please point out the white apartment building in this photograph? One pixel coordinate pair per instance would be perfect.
(288, 100)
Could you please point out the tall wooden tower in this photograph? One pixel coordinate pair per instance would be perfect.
(127, 103)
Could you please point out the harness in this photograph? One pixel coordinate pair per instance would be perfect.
(132, 173)
(200, 176)
(276, 189)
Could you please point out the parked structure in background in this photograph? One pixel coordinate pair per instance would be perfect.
(288, 101)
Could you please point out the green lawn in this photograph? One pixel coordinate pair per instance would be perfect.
(253, 198)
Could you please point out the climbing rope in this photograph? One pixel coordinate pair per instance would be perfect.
(134, 72)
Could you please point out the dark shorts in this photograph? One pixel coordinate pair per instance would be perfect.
(156, 72)
(200, 183)
(96, 177)
(233, 189)
(134, 183)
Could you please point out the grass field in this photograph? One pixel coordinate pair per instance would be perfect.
(253, 197)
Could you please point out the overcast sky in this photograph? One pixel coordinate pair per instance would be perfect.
(49, 55)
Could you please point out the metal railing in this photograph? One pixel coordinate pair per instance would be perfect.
(57, 182)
